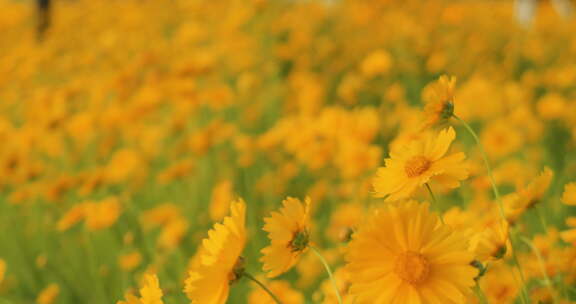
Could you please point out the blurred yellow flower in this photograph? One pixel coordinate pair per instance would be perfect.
(49, 294)
(2, 271)
(289, 234)
(528, 196)
(376, 63)
(222, 195)
(130, 260)
(569, 194)
(102, 214)
(418, 163)
(491, 243)
(150, 292)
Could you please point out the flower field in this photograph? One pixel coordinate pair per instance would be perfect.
(287, 151)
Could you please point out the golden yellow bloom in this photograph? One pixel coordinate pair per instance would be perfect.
(419, 162)
(439, 100)
(2, 271)
(150, 292)
(529, 196)
(222, 195)
(569, 235)
(219, 263)
(569, 195)
(70, 218)
(102, 214)
(376, 63)
(500, 283)
(173, 232)
(130, 260)
(49, 294)
(289, 234)
(492, 242)
(404, 254)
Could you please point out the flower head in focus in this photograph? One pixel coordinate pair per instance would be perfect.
(404, 254)
(439, 100)
(419, 162)
(289, 233)
(219, 263)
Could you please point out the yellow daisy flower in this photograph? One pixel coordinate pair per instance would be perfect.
(569, 194)
(404, 254)
(439, 100)
(517, 203)
(219, 263)
(419, 162)
(289, 233)
(492, 242)
(150, 292)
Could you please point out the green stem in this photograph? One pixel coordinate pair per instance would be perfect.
(541, 218)
(542, 267)
(270, 293)
(334, 285)
(480, 294)
(435, 201)
(499, 201)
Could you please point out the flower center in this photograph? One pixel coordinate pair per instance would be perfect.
(416, 166)
(299, 241)
(412, 267)
(447, 110)
(237, 271)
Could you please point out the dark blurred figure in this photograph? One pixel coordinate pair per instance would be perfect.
(44, 8)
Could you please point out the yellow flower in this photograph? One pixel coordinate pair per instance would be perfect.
(70, 218)
(49, 294)
(130, 261)
(102, 214)
(417, 163)
(404, 254)
(439, 100)
(222, 195)
(219, 263)
(289, 234)
(500, 283)
(569, 235)
(376, 63)
(528, 196)
(2, 271)
(569, 195)
(150, 292)
(491, 243)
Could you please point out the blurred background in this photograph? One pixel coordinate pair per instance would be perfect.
(127, 127)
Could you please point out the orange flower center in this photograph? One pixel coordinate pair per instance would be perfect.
(416, 166)
(412, 267)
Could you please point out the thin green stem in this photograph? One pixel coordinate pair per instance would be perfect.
(542, 267)
(268, 291)
(480, 294)
(334, 285)
(499, 201)
(431, 194)
(541, 218)
(434, 201)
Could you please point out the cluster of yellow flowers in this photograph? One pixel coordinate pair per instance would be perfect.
(430, 143)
